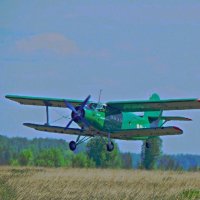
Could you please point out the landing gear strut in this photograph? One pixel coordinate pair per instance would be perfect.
(110, 146)
(148, 145)
(73, 144)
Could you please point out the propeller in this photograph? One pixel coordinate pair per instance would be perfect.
(78, 112)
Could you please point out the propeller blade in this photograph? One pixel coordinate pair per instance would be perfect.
(70, 106)
(77, 112)
(84, 103)
(69, 124)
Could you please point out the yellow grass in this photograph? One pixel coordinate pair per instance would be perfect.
(41, 183)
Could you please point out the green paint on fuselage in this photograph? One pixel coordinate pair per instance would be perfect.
(116, 122)
(104, 120)
(95, 118)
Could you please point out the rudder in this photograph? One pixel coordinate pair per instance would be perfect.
(153, 115)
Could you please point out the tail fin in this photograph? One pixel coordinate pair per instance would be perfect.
(153, 116)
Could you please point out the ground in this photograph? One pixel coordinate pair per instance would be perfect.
(62, 183)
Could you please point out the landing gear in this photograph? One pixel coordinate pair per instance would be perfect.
(148, 145)
(110, 146)
(72, 145)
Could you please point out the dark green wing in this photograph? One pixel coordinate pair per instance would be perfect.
(141, 106)
(43, 101)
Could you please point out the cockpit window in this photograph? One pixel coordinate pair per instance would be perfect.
(101, 107)
(92, 106)
(98, 107)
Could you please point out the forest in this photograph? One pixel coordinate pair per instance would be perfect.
(46, 152)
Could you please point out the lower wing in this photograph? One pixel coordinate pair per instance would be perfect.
(58, 129)
(146, 132)
(122, 135)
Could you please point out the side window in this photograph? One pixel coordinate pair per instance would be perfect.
(102, 109)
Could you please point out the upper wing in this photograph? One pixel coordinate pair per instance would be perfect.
(141, 106)
(146, 132)
(43, 101)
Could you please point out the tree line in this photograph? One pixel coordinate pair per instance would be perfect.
(55, 153)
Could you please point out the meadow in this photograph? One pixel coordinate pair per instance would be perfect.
(63, 183)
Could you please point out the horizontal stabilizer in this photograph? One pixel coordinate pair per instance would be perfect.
(174, 118)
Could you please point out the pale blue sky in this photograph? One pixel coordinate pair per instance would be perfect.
(70, 49)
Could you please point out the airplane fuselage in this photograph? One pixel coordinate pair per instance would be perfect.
(113, 122)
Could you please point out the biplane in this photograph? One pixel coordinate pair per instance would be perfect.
(112, 120)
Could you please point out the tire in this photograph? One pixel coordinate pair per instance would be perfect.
(110, 146)
(72, 145)
(148, 145)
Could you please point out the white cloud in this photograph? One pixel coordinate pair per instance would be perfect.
(47, 43)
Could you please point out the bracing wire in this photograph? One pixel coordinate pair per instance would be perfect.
(60, 118)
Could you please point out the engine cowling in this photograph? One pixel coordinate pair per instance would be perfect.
(78, 113)
(77, 117)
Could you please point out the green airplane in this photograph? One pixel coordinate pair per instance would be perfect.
(114, 119)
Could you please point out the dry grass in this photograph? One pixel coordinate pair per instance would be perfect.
(42, 183)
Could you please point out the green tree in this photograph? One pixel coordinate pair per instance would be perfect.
(150, 156)
(50, 158)
(82, 160)
(96, 150)
(68, 156)
(14, 162)
(26, 157)
(5, 151)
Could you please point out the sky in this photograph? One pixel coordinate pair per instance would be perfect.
(70, 49)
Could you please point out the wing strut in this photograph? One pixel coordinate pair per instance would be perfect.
(47, 111)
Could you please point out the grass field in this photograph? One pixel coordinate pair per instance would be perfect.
(41, 183)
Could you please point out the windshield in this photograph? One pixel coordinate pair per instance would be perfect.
(99, 107)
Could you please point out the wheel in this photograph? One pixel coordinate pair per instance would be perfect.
(72, 145)
(110, 147)
(148, 145)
